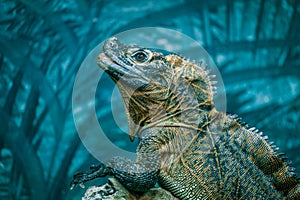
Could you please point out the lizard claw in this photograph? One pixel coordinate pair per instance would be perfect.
(72, 186)
(94, 167)
(95, 171)
(82, 185)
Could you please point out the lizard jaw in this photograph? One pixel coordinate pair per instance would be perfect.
(115, 69)
(109, 66)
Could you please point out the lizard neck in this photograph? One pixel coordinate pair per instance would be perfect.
(181, 96)
(178, 103)
(182, 108)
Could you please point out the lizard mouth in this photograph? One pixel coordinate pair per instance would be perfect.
(116, 68)
(112, 68)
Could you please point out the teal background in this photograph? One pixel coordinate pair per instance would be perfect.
(255, 44)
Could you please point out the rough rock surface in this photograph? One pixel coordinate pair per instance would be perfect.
(113, 190)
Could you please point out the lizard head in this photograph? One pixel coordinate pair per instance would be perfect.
(153, 85)
(137, 65)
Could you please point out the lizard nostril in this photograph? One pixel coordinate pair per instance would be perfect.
(111, 43)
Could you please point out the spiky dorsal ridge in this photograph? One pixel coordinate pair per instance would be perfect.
(254, 130)
(194, 71)
(268, 159)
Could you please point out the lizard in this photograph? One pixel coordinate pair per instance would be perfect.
(186, 145)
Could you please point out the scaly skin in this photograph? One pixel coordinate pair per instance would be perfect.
(186, 145)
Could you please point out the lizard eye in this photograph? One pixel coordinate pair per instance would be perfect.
(140, 56)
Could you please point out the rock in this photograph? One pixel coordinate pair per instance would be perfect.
(113, 190)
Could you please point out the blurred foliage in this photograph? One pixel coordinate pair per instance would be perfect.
(255, 44)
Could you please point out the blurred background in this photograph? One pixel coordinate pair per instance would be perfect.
(255, 44)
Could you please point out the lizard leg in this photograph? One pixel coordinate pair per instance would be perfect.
(142, 174)
(95, 171)
(137, 177)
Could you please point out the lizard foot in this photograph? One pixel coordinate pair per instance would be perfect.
(95, 171)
